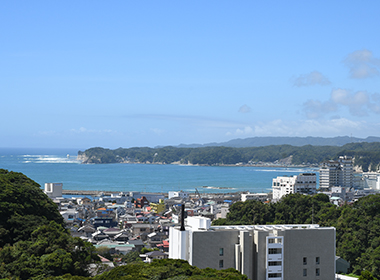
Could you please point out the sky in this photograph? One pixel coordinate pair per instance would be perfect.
(82, 74)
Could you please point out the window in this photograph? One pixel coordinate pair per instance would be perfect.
(304, 260)
(305, 272)
(274, 275)
(274, 263)
(274, 251)
(274, 240)
(317, 272)
(317, 260)
(220, 263)
(221, 252)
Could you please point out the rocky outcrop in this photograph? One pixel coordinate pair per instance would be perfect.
(82, 157)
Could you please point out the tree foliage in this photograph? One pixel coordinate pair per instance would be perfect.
(23, 207)
(168, 269)
(32, 235)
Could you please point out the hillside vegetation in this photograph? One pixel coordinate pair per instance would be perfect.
(33, 240)
(357, 226)
(366, 155)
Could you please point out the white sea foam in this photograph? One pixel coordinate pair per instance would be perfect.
(48, 159)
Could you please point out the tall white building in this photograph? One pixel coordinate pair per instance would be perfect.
(305, 183)
(371, 180)
(271, 252)
(337, 173)
(53, 190)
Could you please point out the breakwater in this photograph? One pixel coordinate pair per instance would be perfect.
(88, 193)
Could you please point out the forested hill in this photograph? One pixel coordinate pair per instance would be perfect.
(294, 141)
(366, 155)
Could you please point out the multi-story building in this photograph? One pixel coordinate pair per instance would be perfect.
(305, 183)
(254, 196)
(371, 180)
(53, 190)
(158, 207)
(346, 171)
(275, 252)
(336, 173)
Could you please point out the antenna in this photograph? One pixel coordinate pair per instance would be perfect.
(182, 217)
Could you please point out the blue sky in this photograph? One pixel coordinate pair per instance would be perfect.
(79, 74)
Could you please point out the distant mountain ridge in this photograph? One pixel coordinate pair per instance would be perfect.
(293, 141)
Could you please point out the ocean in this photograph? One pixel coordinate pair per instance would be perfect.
(61, 166)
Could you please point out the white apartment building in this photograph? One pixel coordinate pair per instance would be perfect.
(254, 196)
(53, 190)
(305, 183)
(181, 194)
(346, 171)
(262, 252)
(336, 173)
(371, 180)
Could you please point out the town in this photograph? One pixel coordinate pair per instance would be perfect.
(177, 225)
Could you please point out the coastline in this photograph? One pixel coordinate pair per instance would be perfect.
(219, 164)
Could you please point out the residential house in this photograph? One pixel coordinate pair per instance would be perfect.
(141, 202)
(154, 255)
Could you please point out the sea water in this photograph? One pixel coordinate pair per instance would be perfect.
(61, 166)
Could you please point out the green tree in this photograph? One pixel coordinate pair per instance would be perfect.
(366, 275)
(23, 207)
(32, 235)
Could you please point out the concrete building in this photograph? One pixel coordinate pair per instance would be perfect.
(53, 190)
(305, 183)
(254, 196)
(346, 171)
(336, 173)
(181, 194)
(276, 252)
(158, 207)
(371, 180)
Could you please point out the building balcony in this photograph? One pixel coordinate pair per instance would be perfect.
(274, 257)
(274, 245)
(274, 269)
(275, 278)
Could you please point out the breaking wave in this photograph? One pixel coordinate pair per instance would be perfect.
(49, 159)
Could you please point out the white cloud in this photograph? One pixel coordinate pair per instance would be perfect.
(362, 64)
(315, 109)
(375, 105)
(273, 128)
(244, 109)
(311, 79)
(359, 103)
(245, 131)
